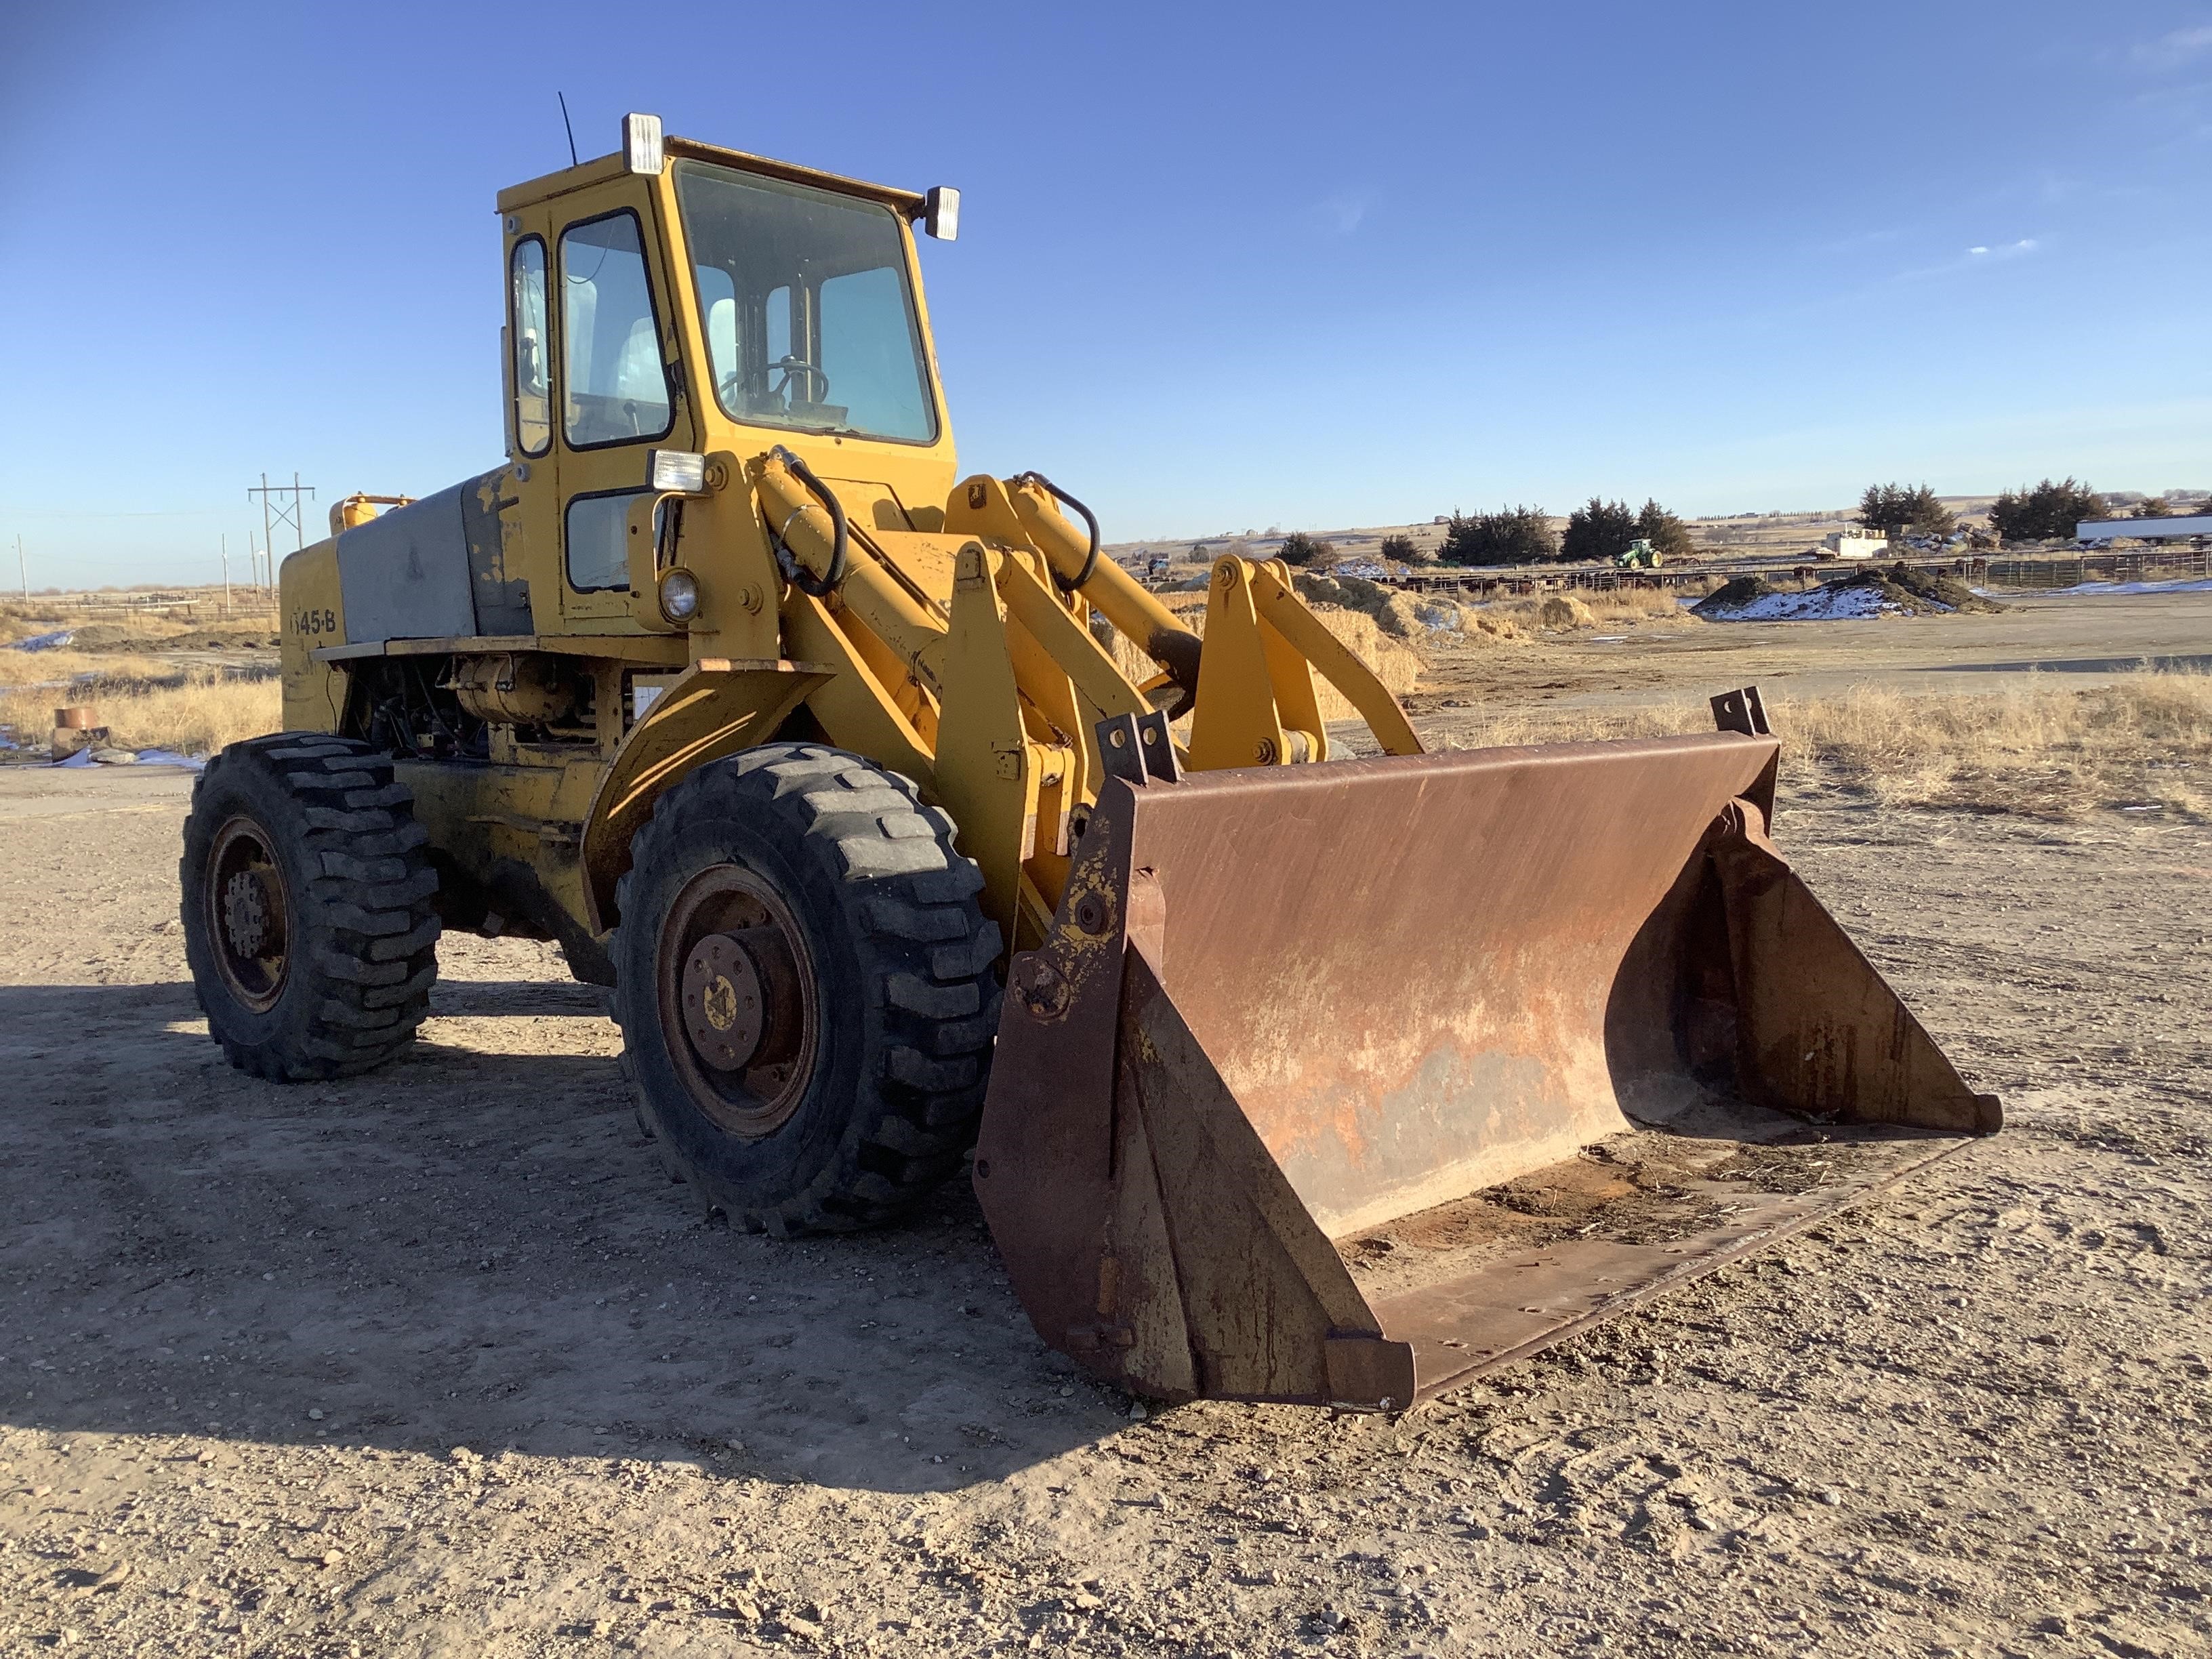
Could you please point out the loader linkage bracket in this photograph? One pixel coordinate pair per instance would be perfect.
(1742, 711)
(1140, 749)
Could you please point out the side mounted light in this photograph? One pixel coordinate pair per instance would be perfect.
(941, 214)
(680, 595)
(642, 144)
(676, 472)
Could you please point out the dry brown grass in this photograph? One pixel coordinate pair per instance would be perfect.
(117, 627)
(1638, 605)
(197, 716)
(1620, 607)
(24, 668)
(2145, 741)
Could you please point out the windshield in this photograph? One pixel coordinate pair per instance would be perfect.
(809, 319)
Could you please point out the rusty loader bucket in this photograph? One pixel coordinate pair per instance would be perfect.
(1345, 1083)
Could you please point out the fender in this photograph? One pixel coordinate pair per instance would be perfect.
(719, 706)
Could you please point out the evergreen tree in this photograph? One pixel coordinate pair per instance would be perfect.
(1599, 529)
(1892, 509)
(1512, 535)
(2044, 512)
(1668, 534)
(1300, 551)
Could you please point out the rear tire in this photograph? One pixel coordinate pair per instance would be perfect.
(307, 914)
(805, 983)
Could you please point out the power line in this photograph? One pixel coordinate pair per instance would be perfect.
(163, 512)
(273, 514)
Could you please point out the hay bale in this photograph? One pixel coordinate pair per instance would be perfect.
(1483, 628)
(1563, 610)
(1445, 622)
(1398, 666)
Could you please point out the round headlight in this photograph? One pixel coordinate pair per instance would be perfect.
(679, 596)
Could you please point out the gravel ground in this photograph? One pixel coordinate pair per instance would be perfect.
(436, 1361)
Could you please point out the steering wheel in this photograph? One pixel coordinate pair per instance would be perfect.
(793, 368)
(731, 388)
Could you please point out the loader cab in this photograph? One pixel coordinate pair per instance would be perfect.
(680, 297)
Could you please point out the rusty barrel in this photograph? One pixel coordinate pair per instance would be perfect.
(1343, 1082)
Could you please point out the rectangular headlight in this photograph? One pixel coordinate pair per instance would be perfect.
(677, 472)
(642, 151)
(940, 215)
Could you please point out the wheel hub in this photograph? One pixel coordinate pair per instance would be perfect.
(724, 1008)
(245, 913)
(248, 914)
(738, 1000)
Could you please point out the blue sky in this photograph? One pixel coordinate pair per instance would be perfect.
(1218, 267)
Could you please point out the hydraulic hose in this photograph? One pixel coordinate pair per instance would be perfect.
(795, 573)
(1115, 593)
(1089, 519)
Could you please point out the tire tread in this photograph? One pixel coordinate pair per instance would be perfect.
(927, 956)
(370, 953)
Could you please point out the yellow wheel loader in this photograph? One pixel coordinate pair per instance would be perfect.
(1285, 1075)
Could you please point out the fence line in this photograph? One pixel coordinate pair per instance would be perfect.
(2051, 571)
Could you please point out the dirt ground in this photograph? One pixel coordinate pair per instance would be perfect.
(435, 1362)
(2041, 640)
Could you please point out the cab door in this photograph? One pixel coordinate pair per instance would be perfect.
(529, 510)
(619, 390)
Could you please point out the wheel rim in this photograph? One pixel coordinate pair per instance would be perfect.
(739, 1009)
(249, 914)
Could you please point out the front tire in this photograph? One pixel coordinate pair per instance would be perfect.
(803, 979)
(307, 907)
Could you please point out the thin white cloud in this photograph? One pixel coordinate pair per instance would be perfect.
(1982, 253)
(1340, 215)
(2176, 48)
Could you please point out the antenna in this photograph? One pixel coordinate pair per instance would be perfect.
(565, 122)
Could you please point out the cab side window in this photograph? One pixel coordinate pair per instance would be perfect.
(598, 538)
(614, 387)
(525, 328)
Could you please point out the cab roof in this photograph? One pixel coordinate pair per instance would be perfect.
(907, 203)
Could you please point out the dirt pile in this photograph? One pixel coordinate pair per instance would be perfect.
(1733, 594)
(1915, 590)
(1421, 620)
(1875, 591)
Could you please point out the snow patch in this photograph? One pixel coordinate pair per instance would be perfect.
(2096, 588)
(1821, 605)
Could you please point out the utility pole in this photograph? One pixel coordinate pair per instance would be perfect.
(274, 513)
(226, 577)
